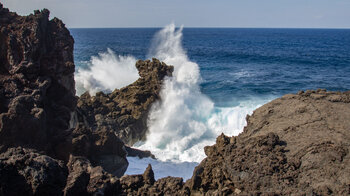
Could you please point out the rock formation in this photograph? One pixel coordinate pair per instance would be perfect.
(125, 110)
(37, 101)
(298, 144)
(37, 94)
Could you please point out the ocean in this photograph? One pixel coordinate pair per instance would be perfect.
(220, 76)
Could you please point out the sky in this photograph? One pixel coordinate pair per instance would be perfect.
(192, 13)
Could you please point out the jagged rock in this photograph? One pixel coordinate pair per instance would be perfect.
(102, 147)
(133, 152)
(146, 185)
(84, 179)
(37, 94)
(26, 172)
(125, 110)
(294, 145)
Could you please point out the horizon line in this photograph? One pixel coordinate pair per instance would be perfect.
(335, 28)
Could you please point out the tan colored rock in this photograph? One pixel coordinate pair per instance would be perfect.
(297, 144)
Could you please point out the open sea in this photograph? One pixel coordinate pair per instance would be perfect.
(221, 75)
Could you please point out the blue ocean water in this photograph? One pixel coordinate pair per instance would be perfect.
(220, 76)
(240, 64)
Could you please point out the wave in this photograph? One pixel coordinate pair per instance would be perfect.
(185, 120)
(106, 72)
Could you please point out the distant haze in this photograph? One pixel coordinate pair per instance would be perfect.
(193, 13)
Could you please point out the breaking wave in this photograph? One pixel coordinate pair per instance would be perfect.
(186, 120)
(106, 72)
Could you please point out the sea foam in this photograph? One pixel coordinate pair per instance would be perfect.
(106, 72)
(183, 121)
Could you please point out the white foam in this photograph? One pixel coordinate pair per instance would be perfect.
(106, 72)
(185, 120)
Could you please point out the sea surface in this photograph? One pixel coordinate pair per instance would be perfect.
(221, 75)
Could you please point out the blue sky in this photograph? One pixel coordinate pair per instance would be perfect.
(193, 13)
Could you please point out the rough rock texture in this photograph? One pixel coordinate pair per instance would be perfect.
(125, 110)
(25, 172)
(294, 145)
(101, 147)
(37, 101)
(37, 94)
(84, 179)
(146, 185)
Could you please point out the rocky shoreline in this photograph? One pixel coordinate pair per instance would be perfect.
(54, 143)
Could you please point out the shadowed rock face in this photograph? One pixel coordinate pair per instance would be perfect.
(25, 172)
(37, 100)
(125, 110)
(37, 94)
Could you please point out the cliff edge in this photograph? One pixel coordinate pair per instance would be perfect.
(37, 94)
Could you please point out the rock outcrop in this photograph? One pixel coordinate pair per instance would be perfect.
(37, 94)
(125, 110)
(295, 145)
(39, 145)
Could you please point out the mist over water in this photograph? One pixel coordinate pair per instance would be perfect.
(106, 72)
(185, 120)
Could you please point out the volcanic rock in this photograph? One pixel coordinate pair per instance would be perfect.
(26, 172)
(101, 147)
(84, 179)
(125, 110)
(37, 94)
(295, 145)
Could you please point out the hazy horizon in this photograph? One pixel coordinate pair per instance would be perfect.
(319, 14)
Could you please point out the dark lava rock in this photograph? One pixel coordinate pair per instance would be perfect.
(84, 179)
(125, 110)
(26, 172)
(101, 147)
(146, 185)
(37, 94)
(133, 152)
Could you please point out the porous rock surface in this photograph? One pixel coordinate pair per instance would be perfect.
(37, 100)
(26, 172)
(125, 110)
(296, 145)
(37, 94)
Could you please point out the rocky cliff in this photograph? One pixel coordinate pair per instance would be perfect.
(37, 94)
(41, 153)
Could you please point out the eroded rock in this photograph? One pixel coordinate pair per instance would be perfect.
(26, 172)
(125, 110)
(36, 81)
(295, 145)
